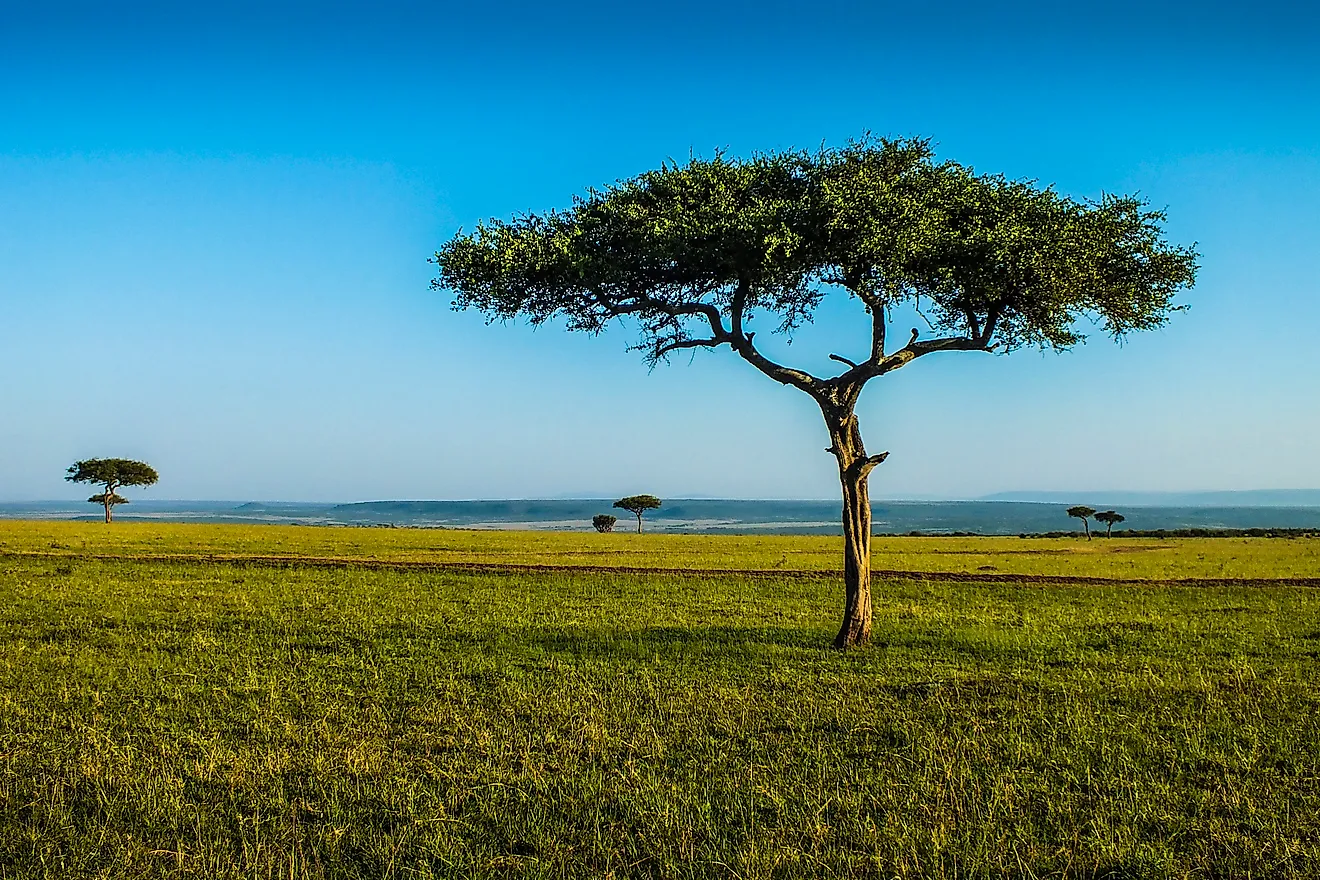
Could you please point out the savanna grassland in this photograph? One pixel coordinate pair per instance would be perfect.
(1142, 558)
(173, 703)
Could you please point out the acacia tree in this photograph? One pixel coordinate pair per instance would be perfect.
(1110, 519)
(1082, 512)
(603, 522)
(691, 253)
(111, 474)
(638, 505)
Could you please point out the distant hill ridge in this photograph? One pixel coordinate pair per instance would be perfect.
(1028, 513)
(1220, 498)
(533, 508)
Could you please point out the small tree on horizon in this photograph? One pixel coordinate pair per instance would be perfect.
(1083, 513)
(603, 522)
(111, 474)
(637, 505)
(1110, 519)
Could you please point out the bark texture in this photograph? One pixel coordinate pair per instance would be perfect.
(855, 468)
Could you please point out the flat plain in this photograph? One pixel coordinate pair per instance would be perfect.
(175, 704)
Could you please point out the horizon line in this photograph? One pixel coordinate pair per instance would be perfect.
(1004, 497)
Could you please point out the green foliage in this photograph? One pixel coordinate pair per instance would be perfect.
(638, 504)
(112, 499)
(992, 261)
(1002, 260)
(659, 248)
(112, 472)
(603, 522)
(222, 720)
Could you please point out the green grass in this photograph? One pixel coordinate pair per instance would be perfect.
(1116, 558)
(221, 720)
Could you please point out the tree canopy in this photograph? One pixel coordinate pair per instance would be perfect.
(1110, 518)
(692, 253)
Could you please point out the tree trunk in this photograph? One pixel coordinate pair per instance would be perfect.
(856, 627)
(639, 523)
(1109, 530)
(1086, 524)
(854, 472)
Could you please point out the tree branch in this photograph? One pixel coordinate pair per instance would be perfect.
(915, 349)
(742, 343)
(662, 321)
(948, 343)
(643, 303)
(868, 464)
(667, 316)
(877, 334)
(988, 332)
(868, 369)
(662, 350)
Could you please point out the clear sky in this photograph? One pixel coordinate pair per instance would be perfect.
(215, 221)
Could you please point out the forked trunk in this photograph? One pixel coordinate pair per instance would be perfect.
(854, 472)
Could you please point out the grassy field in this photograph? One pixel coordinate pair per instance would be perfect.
(1075, 557)
(219, 719)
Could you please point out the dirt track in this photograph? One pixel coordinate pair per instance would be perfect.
(521, 568)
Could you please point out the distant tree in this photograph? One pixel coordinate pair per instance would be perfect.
(1110, 519)
(111, 474)
(604, 522)
(1083, 513)
(637, 505)
(691, 253)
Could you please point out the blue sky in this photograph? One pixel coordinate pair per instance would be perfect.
(214, 226)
